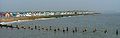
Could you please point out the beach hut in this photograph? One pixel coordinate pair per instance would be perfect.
(7, 14)
(14, 14)
(1, 15)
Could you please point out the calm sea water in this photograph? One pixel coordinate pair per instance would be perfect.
(111, 22)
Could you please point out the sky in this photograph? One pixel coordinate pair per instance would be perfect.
(26, 5)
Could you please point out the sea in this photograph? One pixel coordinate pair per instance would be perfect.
(104, 21)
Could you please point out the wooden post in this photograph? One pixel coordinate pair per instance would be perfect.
(66, 28)
(35, 27)
(117, 32)
(105, 31)
(75, 29)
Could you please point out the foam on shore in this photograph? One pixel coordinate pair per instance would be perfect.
(25, 20)
(44, 18)
(8, 22)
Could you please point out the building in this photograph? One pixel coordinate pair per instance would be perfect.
(14, 14)
(8, 14)
(47, 13)
(1, 15)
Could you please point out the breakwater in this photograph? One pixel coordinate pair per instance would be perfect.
(57, 29)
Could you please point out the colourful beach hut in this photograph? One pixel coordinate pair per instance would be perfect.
(14, 14)
(7, 14)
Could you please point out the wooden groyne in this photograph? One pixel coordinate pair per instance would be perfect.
(56, 29)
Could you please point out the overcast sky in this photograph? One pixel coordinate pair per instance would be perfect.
(17, 5)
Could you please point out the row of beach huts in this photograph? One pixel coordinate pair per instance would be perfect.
(42, 13)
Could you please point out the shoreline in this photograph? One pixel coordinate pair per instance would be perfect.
(31, 18)
(10, 22)
(10, 19)
(14, 21)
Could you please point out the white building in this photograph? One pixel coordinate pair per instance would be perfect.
(47, 13)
